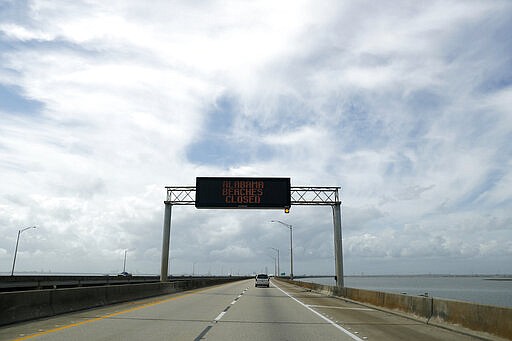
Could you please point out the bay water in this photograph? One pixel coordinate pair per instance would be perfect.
(489, 290)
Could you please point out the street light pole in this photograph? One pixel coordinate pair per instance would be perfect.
(124, 263)
(278, 268)
(16, 250)
(275, 264)
(291, 244)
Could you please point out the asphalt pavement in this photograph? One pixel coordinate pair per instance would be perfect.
(232, 311)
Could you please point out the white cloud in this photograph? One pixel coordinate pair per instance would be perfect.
(17, 32)
(403, 105)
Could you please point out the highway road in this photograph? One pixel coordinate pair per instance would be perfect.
(232, 311)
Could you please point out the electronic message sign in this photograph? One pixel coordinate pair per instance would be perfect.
(242, 192)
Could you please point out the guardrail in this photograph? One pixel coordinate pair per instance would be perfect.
(18, 306)
(479, 318)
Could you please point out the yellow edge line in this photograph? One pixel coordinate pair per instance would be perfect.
(49, 331)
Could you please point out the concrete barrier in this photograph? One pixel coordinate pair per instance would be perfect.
(480, 318)
(22, 282)
(28, 305)
(25, 306)
(419, 306)
(490, 319)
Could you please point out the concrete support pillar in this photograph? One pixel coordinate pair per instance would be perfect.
(338, 244)
(166, 240)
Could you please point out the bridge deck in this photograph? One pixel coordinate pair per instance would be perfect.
(233, 311)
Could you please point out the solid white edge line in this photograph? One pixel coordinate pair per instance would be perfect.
(320, 315)
(342, 308)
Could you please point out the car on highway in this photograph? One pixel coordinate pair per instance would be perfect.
(262, 280)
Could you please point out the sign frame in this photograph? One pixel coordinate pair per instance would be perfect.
(243, 193)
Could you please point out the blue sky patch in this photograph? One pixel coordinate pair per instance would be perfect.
(424, 101)
(472, 199)
(220, 144)
(359, 121)
(12, 101)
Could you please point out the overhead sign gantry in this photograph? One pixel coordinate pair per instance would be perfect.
(252, 193)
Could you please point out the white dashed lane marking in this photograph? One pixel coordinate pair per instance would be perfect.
(217, 319)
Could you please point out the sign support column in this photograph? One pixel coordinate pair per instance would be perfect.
(338, 248)
(166, 242)
(209, 193)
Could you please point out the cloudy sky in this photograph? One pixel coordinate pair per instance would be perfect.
(406, 105)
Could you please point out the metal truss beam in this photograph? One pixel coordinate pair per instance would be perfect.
(315, 196)
(304, 195)
(181, 195)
